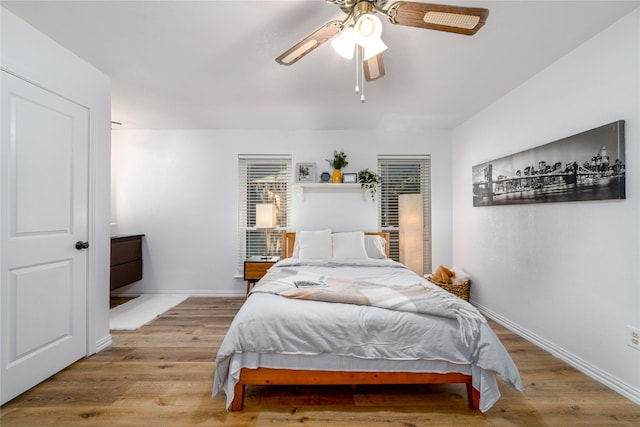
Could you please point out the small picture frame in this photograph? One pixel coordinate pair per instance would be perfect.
(305, 172)
(349, 178)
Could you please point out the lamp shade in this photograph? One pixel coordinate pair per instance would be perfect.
(367, 26)
(344, 44)
(373, 48)
(411, 231)
(265, 215)
(366, 32)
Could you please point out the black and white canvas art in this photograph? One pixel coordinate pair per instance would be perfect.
(586, 166)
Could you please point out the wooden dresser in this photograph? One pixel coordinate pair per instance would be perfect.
(126, 260)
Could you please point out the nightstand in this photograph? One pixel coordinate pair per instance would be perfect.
(255, 268)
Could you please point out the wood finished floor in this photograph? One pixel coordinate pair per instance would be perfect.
(162, 375)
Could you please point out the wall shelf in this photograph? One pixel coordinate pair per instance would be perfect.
(328, 187)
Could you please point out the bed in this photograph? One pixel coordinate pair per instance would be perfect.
(284, 336)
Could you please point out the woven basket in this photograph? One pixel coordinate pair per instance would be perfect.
(461, 290)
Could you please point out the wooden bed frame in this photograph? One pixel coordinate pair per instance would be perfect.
(269, 376)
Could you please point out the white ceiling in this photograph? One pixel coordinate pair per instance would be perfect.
(210, 64)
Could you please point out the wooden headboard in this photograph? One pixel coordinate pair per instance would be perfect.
(289, 238)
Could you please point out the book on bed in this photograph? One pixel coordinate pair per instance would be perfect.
(310, 283)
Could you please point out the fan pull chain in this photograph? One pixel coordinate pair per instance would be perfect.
(361, 73)
(357, 62)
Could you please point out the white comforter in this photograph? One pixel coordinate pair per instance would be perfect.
(278, 332)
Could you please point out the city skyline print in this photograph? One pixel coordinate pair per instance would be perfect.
(587, 166)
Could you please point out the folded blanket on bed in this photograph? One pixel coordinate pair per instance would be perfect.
(416, 298)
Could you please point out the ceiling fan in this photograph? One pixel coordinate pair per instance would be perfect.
(360, 31)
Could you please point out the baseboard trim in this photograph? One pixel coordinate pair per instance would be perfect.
(586, 368)
(103, 343)
(192, 293)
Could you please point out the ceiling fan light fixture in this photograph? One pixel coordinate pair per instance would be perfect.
(359, 34)
(344, 44)
(367, 29)
(368, 25)
(374, 48)
(451, 19)
(366, 33)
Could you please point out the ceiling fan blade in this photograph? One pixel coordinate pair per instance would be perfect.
(374, 68)
(452, 19)
(303, 47)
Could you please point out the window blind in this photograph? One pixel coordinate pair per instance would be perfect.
(409, 174)
(262, 179)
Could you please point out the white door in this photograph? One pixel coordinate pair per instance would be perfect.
(44, 162)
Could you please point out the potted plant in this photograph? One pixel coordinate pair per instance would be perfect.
(338, 162)
(369, 181)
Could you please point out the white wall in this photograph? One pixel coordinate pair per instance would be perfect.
(565, 275)
(34, 57)
(180, 188)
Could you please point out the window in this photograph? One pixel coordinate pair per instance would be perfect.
(404, 175)
(262, 179)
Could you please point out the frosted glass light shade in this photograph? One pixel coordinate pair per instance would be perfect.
(373, 48)
(367, 26)
(345, 44)
(366, 33)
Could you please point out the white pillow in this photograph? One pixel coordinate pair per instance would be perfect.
(349, 245)
(296, 249)
(314, 244)
(375, 247)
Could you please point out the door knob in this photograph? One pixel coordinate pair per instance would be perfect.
(81, 245)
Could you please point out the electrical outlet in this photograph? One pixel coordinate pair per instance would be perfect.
(634, 337)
